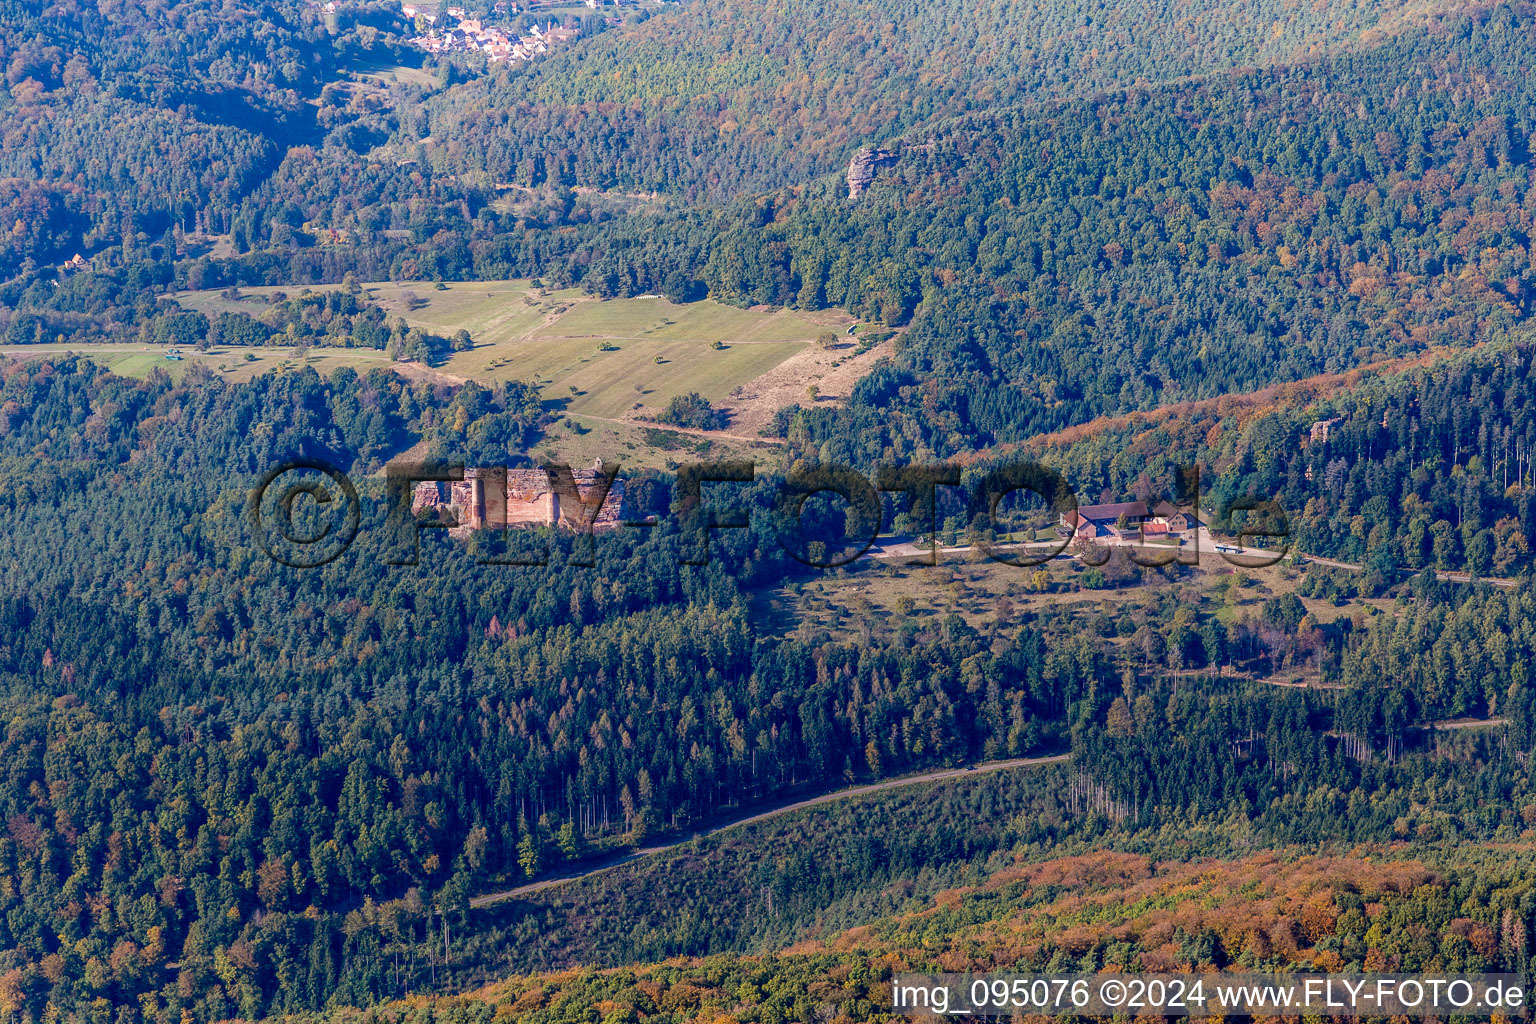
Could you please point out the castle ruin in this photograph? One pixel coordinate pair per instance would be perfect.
(495, 499)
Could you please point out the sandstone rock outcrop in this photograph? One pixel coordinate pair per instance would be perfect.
(862, 168)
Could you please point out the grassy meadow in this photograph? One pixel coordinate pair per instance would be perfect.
(612, 359)
(131, 360)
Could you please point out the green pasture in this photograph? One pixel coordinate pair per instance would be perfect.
(617, 354)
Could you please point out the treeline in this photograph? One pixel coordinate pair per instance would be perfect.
(335, 318)
(120, 297)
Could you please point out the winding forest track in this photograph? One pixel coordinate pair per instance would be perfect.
(772, 812)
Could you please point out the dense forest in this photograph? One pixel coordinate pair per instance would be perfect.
(1289, 246)
(204, 758)
(206, 766)
(1045, 881)
(119, 119)
(723, 99)
(1113, 235)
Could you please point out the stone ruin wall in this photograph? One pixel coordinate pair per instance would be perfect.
(530, 500)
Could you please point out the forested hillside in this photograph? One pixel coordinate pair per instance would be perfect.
(123, 118)
(1186, 896)
(1054, 261)
(1424, 468)
(721, 99)
(1175, 244)
(208, 767)
(213, 759)
(1289, 244)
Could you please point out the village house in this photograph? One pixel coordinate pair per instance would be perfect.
(473, 35)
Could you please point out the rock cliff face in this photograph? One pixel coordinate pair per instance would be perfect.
(862, 168)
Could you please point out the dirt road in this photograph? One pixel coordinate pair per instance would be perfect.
(773, 812)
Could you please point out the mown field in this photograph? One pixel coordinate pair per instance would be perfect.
(605, 359)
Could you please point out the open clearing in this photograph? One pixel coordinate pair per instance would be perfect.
(140, 360)
(874, 598)
(393, 74)
(574, 439)
(619, 359)
(605, 365)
